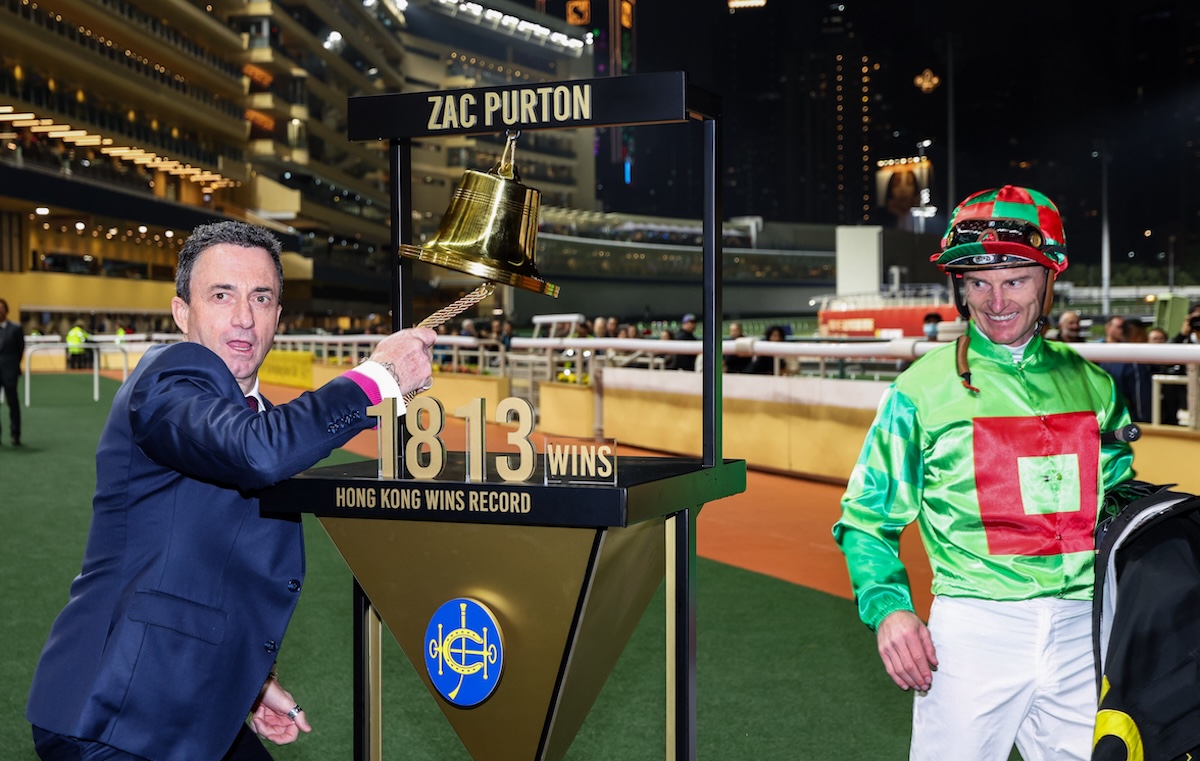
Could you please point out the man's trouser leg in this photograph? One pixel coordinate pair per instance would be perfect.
(1008, 672)
(11, 398)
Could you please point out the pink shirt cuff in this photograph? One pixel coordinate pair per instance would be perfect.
(377, 383)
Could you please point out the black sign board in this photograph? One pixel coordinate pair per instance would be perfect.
(647, 487)
(659, 98)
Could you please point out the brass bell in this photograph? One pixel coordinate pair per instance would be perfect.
(490, 228)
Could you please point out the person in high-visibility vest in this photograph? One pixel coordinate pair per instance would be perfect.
(76, 354)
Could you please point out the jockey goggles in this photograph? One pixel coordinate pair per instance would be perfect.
(1000, 230)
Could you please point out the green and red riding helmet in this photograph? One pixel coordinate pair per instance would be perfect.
(1001, 228)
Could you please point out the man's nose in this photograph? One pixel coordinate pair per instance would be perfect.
(243, 314)
(997, 299)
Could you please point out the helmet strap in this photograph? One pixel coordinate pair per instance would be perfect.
(1048, 301)
(964, 372)
(960, 299)
(964, 341)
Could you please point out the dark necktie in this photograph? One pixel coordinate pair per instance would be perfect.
(253, 402)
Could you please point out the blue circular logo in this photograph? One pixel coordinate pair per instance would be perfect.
(464, 654)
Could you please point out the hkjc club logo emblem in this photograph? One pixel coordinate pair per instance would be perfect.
(464, 655)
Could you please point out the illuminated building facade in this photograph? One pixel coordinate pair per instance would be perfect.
(839, 123)
(800, 126)
(613, 27)
(123, 124)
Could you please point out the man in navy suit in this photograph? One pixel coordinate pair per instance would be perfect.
(170, 636)
(12, 348)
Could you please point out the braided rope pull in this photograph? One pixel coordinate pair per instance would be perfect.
(441, 316)
(450, 312)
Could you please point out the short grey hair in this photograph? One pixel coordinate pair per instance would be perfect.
(234, 233)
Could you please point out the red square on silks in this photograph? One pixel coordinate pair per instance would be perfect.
(1036, 479)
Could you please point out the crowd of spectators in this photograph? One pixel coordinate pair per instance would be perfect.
(1135, 380)
(605, 327)
(501, 331)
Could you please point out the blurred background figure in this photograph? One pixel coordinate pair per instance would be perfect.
(1133, 331)
(1159, 336)
(12, 348)
(1069, 328)
(735, 363)
(765, 365)
(665, 335)
(930, 325)
(600, 328)
(441, 354)
(686, 332)
(1174, 398)
(506, 334)
(78, 358)
(1114, 330)
(1185, 334)
(1133, 378)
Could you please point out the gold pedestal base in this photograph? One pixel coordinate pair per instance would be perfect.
(566, 601)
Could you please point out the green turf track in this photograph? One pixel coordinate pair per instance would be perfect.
(783, 672)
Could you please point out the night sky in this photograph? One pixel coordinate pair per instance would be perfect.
(1038, 88)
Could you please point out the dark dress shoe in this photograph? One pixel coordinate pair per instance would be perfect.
(16, 440)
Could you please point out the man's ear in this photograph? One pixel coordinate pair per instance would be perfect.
(179, 310)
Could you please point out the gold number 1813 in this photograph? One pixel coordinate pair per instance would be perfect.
(425, 452)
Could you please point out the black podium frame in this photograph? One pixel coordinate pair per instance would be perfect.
(646, 487)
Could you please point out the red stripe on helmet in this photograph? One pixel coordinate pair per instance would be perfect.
(1051, 224)
(979, 210)
(1014, 194)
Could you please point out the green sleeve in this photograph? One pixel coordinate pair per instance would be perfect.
(882, 497)
(1116, 458)
(1116, 462)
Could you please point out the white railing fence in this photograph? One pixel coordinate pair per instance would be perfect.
(529, 361)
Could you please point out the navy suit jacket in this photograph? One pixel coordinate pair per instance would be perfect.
(186, 589)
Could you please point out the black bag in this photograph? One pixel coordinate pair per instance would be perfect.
(1146, 617)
